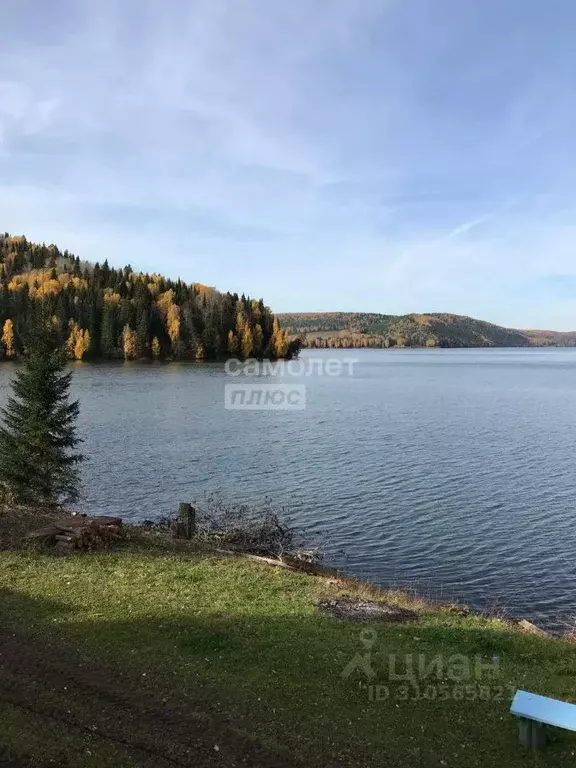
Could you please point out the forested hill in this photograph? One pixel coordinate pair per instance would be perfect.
(357, 329)
(104, 312)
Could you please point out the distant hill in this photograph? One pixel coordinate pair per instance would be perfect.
(365, 329)
(551, 338)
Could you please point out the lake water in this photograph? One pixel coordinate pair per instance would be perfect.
(452, 470)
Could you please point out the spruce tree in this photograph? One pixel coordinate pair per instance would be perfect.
(38, 440)
(142, 333)
(107, 331)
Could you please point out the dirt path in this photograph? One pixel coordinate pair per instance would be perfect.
(7, 762)
(89, 699)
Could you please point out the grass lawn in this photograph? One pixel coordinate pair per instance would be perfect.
(248, 641)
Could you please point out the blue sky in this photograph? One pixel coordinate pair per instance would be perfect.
(370, 155)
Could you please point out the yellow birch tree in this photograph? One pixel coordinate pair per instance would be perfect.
(129, 343)
(240, 323)
(82, 344)
(71, 342)
(279, 339)
(78, 342)
(8, 338)
(232, 344)
(247, 341)
(173, 322)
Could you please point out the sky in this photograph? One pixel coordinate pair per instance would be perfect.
(329, 155)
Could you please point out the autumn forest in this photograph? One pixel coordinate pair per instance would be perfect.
(103, 312)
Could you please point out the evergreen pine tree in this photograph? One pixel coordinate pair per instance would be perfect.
(107, 331)
(142, 334)
(38, 462)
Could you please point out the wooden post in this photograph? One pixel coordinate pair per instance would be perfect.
(187, 517)
(538, 735)
(525, 732)
(532, 734)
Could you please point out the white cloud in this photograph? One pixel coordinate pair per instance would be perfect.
(22, 112)
(467, 226)
(335, 146)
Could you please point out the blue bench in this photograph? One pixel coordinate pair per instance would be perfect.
(536, 712)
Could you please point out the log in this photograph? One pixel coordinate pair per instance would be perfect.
(257, 558)
(72, 524)
(289, 562)
(82, 522)
(64, 546)
(107, 520)
(48, 533)
(309, 566)
(527, 626)
(81, 532)
(187, 516)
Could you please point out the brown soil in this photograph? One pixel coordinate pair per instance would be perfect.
(7, 762)
(144, 719)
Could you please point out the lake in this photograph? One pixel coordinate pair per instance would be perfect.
(453, 471)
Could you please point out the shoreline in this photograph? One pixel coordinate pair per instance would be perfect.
(118, 361)
(30, 520)
(155, 651)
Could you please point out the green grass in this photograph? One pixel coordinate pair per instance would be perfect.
(254, 636)
(27, 736)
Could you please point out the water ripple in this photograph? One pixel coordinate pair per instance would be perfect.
(451, 469)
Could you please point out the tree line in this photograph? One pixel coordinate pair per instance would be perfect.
(345, 330)
(345, 340)
(99, 311)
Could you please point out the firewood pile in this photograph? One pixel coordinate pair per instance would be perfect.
(80, 533)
